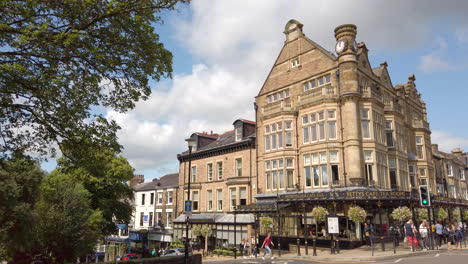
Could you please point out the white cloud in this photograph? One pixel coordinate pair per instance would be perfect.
(433, 63)
(207, 99)
(447, 142)
(238, 41)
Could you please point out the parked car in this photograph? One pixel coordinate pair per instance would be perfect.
(175, 252)
(130, 256)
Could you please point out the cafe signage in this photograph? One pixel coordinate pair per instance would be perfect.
(347, 195)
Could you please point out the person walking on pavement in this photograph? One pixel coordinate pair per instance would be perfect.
(246, 248)
(450, 236)
(439, 228)
(424, 231)
(266, 244)
(367, 233)
(410, 233)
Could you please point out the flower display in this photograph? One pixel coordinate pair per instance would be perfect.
(357, 214)
(401, 214)
(319, 213)
(442, 214)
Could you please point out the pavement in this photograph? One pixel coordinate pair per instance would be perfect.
(358, 255)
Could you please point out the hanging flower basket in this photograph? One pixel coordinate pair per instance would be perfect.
(442, 214)
(401, 214)
(421, 214)
(357, 214)
(319, 213)
(455, 213)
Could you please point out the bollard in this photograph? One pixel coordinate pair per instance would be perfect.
(332, 248)
(372, 244)
(315, 247)
(382, 244)
(412, 237)
(298, 247)
(306, 247)
(394, 244)
(337, 246)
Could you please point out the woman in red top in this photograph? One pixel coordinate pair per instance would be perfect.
(266, 244)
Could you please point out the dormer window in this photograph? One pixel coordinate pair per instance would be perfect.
(238, 131)
(295, 62)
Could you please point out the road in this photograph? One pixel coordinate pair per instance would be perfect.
(439, 257)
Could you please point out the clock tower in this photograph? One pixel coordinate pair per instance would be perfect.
(349, 98)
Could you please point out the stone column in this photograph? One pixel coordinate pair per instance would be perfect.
(350, 95)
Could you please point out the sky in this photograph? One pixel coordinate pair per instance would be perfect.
(223, 51)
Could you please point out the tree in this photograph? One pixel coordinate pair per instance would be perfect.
(20, 178)
(65, 224)
(59, 60)
(104, 175)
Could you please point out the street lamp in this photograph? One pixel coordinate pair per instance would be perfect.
(191, 144)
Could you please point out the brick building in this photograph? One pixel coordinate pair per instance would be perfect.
(223, 175)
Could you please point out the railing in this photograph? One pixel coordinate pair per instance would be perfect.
(278, 106)
(368, 92)
(418, 123)
(327, 91)
(391, 106)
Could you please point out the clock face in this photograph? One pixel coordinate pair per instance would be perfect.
(340, 46)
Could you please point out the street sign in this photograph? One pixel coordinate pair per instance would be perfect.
(333, 225)
(188, 208)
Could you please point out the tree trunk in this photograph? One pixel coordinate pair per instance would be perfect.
(206, 245)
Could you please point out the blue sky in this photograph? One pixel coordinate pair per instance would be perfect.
(223, 51)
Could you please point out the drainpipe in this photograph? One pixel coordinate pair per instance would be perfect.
(256, 145)
(297, 153)
(337, 74)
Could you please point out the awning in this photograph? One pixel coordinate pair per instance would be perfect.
(262, 207)
(199, 218)
(160, 237)
(117, 239)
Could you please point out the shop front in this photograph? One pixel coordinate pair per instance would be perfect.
(292, 219)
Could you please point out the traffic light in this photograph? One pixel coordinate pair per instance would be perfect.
(424, 196)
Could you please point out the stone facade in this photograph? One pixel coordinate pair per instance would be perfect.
(337, 121)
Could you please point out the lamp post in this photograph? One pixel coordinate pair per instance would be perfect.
(191, 143)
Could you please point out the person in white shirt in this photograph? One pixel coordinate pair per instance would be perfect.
(424, 231)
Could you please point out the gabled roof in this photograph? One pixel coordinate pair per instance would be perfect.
(164, 182)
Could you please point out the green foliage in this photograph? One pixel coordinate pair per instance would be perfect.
(20, 178)
(357, 214)
(402, 214)
(465, 214)
(196, 230)
(442, 214)
(66, 225)
(421, 214)
(266, 222)
(104, 175)
(319, 213)
(205, 231)
(59, 59)
(177, 244)
(455, 213)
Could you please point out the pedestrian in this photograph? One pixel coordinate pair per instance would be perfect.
(266, 244)
(458, 235)
(410, 233)
(367, 233)
(450, 235)
(153, 253)
(439, 232)
(254, 247)
(241, 247)
(246, 247)
(424, 231)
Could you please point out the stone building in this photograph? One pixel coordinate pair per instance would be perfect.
(450, 170)
(335, 132)
(223, 176)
